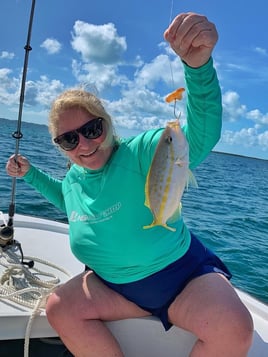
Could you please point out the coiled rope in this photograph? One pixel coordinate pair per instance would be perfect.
(29, 288)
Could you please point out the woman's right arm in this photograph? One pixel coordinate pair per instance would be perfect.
(48, 186)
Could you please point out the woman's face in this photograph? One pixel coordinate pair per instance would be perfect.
(88, 152)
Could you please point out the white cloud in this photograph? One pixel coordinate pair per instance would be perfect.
(246, 137)
(140, 109)
(98, 43)
(4, 73)
(263, 140)
(257, 116)
(232, 108)
(140, 104)
(98, 75)
(9, 89)
(7, 55)
(51, 45)
(138, 87)
(238, 67)
(160, 69)
(42, 92)
(261, 51)
(251, 137)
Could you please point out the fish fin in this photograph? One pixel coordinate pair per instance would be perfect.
(180, 162)
(191, 180)
(147, 202)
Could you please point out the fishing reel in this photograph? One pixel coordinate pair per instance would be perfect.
(7, 240)
(6, 235)
(6, 231)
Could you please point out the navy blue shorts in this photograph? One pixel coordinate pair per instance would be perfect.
(156, 292)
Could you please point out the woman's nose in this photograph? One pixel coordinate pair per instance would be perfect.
(82, 140)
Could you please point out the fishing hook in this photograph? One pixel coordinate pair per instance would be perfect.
(177, 116)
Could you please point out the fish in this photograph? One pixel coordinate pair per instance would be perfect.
(175, 95)
(168, 176)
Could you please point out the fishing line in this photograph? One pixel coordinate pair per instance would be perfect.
(7, 231)
(170, 63)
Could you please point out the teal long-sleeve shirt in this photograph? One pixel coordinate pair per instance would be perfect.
(105, 207)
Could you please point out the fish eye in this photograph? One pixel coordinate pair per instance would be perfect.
(168, 139)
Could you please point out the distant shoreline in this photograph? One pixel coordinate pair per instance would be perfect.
(217, 152)
(232, 154)
(24, 123)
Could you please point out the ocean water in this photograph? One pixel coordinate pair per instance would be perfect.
(228, 211)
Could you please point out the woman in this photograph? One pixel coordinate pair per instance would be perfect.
(136, 272)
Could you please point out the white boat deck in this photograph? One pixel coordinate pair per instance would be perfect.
(47, 240)
(138, 337)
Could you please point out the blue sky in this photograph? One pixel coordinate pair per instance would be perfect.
(116, 49)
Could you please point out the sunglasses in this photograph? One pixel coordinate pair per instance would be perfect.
(91, 130)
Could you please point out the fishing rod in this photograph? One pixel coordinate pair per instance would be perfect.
(7, 230)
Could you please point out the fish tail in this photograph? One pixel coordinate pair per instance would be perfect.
(169, 228)
(154, 224)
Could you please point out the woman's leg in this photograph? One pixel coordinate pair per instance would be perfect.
(210, 308)
(76, 311)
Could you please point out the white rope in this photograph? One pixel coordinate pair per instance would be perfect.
(25, 287)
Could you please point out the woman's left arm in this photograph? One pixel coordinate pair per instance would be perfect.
(204, 111)
(193, 38)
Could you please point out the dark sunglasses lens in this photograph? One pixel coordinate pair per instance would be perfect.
(68, 141)
(93, 129)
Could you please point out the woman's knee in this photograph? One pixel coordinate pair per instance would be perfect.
(60, 306)
(234, 330)
(66, 305)
(54, 309)
(241, 327)
(231, 333)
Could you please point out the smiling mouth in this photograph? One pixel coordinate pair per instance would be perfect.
(91, 153)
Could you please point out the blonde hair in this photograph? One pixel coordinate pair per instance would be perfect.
(79, 98)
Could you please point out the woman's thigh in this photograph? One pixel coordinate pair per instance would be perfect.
(209, 306)
(86, 297)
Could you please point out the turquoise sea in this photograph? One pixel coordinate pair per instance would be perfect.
(228, 211)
